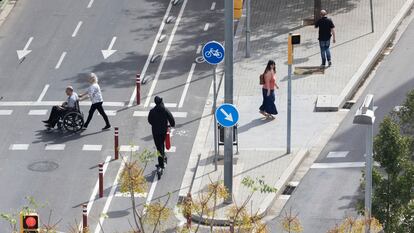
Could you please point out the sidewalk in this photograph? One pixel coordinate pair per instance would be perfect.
(262, 143)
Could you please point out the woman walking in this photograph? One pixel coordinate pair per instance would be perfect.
(95, 94)
(268, 108)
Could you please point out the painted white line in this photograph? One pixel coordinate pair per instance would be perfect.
(19, 147)
(108, 52)
(90, 4)
(119, 194)
(60, 60)
(294, 183)
(152, 190)
(109, 112)
(128, 148)
(38, 112)
(154, 45)
(173, 149)
(206, 27)
(164, 56)
(337, 154)
(110, 197)
(75, 32)
(398, 108)
(25, 51)
(199, 49)
(284, 197)
(95, 190)
(52, 103)
(42, 95)
(338, 165)
(168, 105)
(213, 6)
(145, 114)
(87, 147)
(5, 112)
(187, 85)
(55, 147)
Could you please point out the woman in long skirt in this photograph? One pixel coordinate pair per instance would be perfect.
(268, 107)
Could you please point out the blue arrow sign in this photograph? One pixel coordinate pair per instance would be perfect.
(227, 115)
(213, 52)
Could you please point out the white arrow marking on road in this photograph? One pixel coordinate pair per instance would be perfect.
(22, 53)
(109, 51)
(229, 117)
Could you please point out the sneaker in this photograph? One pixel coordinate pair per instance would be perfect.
(322, 65)
(106, 127)
(329, 63)
(46, 122)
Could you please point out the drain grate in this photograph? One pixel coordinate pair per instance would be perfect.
(43, 166)
(349, 104)
(288, 190)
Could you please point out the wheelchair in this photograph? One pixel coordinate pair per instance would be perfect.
(72, 120)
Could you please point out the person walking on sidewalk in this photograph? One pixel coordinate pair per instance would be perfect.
(160, 118)
(95, 94)
(326, 31)
(268, 107)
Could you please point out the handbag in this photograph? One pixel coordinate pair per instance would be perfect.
(168, 139)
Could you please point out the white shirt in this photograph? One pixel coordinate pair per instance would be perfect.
(71, 101)
(95, 94)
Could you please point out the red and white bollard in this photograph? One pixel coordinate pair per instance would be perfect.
(100, 180)
(84, 217)
(138, 84)
(116, 143)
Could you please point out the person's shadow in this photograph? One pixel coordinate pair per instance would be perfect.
(252, 124)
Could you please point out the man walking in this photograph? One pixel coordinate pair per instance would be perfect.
(159, 118)
(326, 31)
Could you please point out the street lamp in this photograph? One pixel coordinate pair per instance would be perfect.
(365, 116)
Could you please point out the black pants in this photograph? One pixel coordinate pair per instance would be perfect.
(97, 106)
(56, 113)
(159, 140)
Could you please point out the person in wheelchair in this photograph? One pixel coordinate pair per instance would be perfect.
(59, 111)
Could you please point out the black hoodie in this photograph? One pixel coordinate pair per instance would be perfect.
(159, 117)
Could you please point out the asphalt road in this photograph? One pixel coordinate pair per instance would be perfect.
(325, 196)
(56, 167)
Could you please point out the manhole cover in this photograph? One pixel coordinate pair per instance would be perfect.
(288, 190)
(43, 166)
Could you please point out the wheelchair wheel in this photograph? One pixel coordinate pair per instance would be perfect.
(73, 121)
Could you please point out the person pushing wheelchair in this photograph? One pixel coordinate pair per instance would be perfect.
(59, 111)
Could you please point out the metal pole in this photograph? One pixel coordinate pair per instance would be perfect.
(289, 97)
(372, 16)
(248, 13)
(228, 95)
(368, 171)
(215, 120)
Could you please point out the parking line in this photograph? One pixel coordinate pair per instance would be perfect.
(128, 148)
(42, 95)
(38, 112)
(5, 112)
(19, 147)
(213, 6)
(187, 85)
(90, 4)
(145, 114)
(206, 27)
(75, 32)
(87, 147)
(55, 147)
(60, 60)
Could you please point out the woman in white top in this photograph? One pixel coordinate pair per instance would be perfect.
(95, 94)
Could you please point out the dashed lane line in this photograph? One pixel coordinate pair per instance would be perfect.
(187, 85)
(206, 27)
(60, 60)
(5, 112)
(55, 147)
(145, 114)
(90, 4)
(38, 112)
(87, 147)
(75, 32)
(128, 148)
(43, 93)
(19, 147)
(199, 49)
(337, 154)
(338, 165)
(213, 6)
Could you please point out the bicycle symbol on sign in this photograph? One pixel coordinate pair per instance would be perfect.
(213, 52)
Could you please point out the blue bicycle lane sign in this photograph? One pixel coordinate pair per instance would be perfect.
(227, 115)
(213, 52)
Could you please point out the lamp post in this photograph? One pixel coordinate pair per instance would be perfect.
(365, 116)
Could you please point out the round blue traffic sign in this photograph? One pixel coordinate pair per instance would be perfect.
(213, 52)
(227, 115)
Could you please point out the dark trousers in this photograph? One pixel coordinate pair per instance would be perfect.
(159, 140)
(96, 106)
(56, 113)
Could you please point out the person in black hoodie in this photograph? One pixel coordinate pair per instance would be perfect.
(160, 118)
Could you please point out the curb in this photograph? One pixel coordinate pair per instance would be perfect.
(5, 9)
(333, 103)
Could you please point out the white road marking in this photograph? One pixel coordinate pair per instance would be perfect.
(164, 57)
(375, 108)
(119, 194)
(90, 4)
(55, 147)
(128, 148)
(187, 85)
(52, 103)
(19, 147)
(145, 114)
(168, 105)
(213, 6)
(110, 197)
(294, 183)
(171, 150)
(206, 27)
(398, 108)
(337, 154)
(199, 49)
(42, 95)
(154, 45)
(109, 112)
(152, 190)
(338, 165)
(60, 60)
(87, 147)
(25, 51)
(284, 197)
(75, 32)
(38, 112)
(5, 112)
(108, 52)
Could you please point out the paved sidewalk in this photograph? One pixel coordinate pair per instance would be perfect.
(262, 142)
